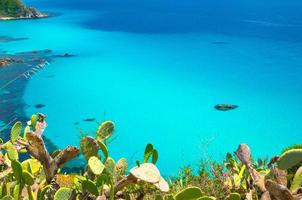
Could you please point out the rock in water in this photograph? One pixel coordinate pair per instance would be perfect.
(225, 107)
(39, 105)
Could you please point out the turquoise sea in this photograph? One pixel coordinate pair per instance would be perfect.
(160, 80)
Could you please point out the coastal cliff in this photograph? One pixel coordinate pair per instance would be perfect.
(15, 9)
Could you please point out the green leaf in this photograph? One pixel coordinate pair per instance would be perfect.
(297, 181)
(95, 165)
(17, 170)
(190, 193)
(154, 156)
(148, 152)
(89, 186)
(63, 194)
(15, 131)
(103, 148)
(28, 178)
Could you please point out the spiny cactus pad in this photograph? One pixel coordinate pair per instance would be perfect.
(289, 159)
(15, 131)
(8, 197)
(121, 166)
(12, 152)
(234, 196)
(190, 193)
(89, 147)
(154, 156)
(148, 152)
(297, 181)
(103, 148)
(207, 198)
(63, 194)
(95, 165)
(28, 178)
(105, 130)
(17, 169)
(110, 167)
(90, 187)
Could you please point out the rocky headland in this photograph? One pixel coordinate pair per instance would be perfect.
(15, 9)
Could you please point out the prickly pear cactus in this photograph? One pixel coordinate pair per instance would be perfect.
(289, 159)
(189, 193)
(105, 130)
(17, 169)
(207, 198)
(297, 181)
(148, 152)
(15, 131)
(33, 122)
(110, 167)
(95, 165)
(28, 178)
(104, 149)
(234, 196)
(121, 166)
(11, 151)
(89, 147)
(154, 156)
(90, 186)
(66, 180)
(8, 197)
(63, 194)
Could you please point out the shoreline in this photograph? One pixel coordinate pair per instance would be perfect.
(24, 17)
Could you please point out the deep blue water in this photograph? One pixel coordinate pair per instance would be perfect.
(157, 68)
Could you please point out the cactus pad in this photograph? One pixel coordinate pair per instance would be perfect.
(17, 169)
(15, 131)
(12, 152)
(207, 198)
(27, 177)
(66, 180)
(297, 181)
(110, 167)
(289, 159)
(89, 186)
(121, 166)
(63, 194)
(89, 147)
(148, 152)
(105, 130)
(103, 148)
(154, 156)
(234, 196)
(190, 193)
(95, 165)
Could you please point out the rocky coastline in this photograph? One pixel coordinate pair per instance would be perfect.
(20, 11)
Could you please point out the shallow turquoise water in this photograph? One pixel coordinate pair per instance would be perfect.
(161, 89)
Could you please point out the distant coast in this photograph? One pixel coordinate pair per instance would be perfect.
(15, 10)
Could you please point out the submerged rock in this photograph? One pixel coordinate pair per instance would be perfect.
(39, 105)
(225, 107)
(89, 120)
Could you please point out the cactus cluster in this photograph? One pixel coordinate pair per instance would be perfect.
(39, 177)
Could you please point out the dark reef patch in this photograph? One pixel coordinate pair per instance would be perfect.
(89, 120)
(11, 39)
(225, 107)
(39, 106)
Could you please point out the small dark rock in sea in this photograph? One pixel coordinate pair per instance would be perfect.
(65, 55)
(39, 105)
(76, 123)
(225, 107)
(11, 39)
(89, 120)
(218, 42)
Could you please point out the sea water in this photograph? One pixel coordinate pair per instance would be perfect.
(160, 80)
